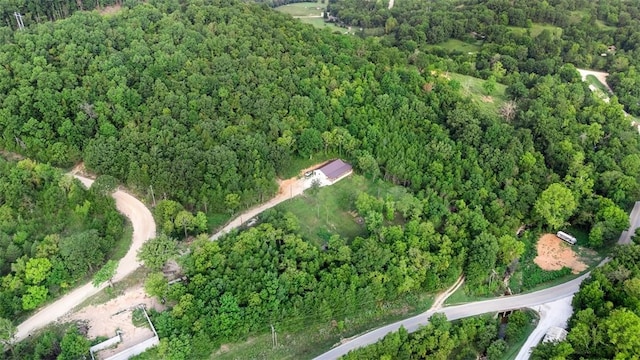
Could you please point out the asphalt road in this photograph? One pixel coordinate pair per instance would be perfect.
(555, 313)
(461, 311)
(634, 220)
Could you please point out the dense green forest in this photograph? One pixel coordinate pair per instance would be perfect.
(516, 37)
(205, 102)
(53, 232)
(206, 110)
(464, 339)
(606, 319)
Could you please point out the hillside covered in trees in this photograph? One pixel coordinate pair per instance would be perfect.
(207, 101)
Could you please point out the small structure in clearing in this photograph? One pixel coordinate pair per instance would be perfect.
(335, 171)
(555, 334)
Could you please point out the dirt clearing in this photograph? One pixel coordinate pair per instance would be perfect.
(554, 254)
(116, 315)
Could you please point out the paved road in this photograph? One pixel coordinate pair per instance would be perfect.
(555, 313)
(461, 311)
(634, 221)
(144, 228)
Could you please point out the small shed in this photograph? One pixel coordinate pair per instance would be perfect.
(336, 170)
(555, 334)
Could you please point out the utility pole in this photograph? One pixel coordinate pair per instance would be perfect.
(274, 337)
(153, 196)
(19, 20)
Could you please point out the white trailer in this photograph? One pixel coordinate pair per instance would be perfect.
(566, 237)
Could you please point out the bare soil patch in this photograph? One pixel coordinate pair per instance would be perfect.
(110, 10)
(116, 315)
(487, 99)
(554, 254)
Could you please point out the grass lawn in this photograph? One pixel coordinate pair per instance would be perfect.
(458, 45)
(331, 211)
(592, 80)
(472, 87)
(217, 220)
(295, 165)
(603, 26)
(302, 9)
(314, 338)
(537, 28)
(321, 24)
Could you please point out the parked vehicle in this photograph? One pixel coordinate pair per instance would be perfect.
(566, 237)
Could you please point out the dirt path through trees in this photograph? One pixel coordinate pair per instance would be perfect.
(287, 189)
(144, 228)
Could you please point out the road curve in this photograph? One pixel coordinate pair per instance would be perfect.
(459, 312)
(555, 313)
(144, 228)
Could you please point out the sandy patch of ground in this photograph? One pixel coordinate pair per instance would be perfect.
(554, 254)
(105, 319)
(110, 10)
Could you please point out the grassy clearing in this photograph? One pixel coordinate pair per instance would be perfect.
(321, 24)
(605, 27)
(315, 338)
(592, 80)
(331, 211)
(458, 45)
(217, 220)
(302, 9)
(296, 165)
(537, 28)
(472, 87)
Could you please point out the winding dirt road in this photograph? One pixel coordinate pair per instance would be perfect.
(144, 228)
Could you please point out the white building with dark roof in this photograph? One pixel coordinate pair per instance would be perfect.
(330, 173)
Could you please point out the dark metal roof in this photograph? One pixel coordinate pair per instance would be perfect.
(335, 169)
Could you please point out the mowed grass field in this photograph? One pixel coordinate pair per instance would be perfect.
(537, 28)
(458, 45)
(302, 9)
(473, 87)
(331, 211)
(321, 24)
(592, 80)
